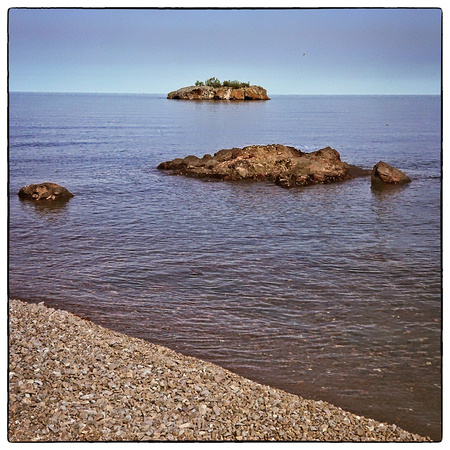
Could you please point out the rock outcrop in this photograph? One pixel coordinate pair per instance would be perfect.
(383, 174)
(219, 93)
(44, 192)
(285, 166)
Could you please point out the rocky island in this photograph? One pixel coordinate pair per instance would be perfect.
(283, 165)
(213, 89)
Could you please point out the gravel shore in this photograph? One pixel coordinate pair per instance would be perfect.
(72, 380)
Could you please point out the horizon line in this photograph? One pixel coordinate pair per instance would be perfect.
(163, 93)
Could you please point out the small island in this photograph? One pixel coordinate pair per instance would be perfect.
(213, 89)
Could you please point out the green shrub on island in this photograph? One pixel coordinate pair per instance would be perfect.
(235, 84)
(215, 83)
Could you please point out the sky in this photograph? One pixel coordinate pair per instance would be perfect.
(287, 51)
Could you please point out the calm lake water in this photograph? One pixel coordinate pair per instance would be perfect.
(332, 292)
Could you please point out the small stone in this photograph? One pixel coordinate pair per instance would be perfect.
(360, 431)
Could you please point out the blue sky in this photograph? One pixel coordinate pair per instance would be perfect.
(289, 51)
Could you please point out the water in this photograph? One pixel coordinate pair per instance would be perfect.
(332, 292)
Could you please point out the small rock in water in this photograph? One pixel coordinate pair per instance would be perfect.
(383, 173)
(44, 192)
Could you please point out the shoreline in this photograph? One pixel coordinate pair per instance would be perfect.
(72, 380)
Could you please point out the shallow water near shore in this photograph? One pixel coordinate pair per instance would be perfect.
(332, 292)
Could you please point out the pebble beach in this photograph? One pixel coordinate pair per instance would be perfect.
(72, 380)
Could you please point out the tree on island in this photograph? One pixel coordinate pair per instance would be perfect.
(215, 83)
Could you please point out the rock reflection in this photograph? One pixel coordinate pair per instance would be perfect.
(386, 191)
(45, 209)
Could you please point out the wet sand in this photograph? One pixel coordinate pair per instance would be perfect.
(73, 380)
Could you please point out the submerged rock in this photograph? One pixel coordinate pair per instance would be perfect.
(383, 173)
(44, 192)
(283, 165)
(219, 93)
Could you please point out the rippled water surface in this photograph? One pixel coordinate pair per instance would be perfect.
(332, 292)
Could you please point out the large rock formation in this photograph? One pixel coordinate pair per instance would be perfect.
(285, 166)
(383, 174)
(219, 93)
(44, 192)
